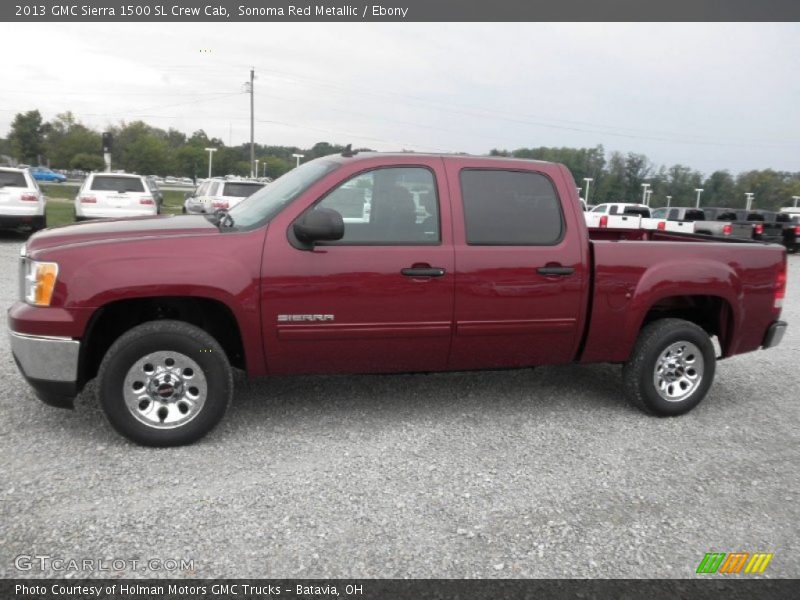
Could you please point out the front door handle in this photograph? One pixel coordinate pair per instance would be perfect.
(550, 271)
(423, 272)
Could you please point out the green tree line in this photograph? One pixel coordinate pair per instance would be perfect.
(65, 143)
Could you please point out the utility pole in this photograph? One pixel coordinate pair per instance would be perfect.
(252, 124)
(749, 196)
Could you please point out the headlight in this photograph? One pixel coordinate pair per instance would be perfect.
(39, 281)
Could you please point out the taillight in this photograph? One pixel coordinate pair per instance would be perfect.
(662, 225)
(225, 205)
(604, 221)
(780, 286)
(727, 229)
(88, 200)
(146, 201)
(797, 229)
(29, 198)
(758, 228)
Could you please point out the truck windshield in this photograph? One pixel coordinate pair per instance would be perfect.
(267, 202)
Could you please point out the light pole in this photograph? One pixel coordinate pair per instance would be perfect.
(749, 196)
(298, 157)
(588, 180)
(265, 168)
(256, 173)
(699, 191)
(579, 191)
(669, 199)
(210, 159)
(647, 197)
(795, 198)
(644, 191)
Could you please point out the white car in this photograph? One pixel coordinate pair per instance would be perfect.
(218, 193)
(114, 195)
(22, 204)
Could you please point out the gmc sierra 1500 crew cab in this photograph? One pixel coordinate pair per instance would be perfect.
(459, 263)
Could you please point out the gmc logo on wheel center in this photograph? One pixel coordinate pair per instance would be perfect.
(285, 318)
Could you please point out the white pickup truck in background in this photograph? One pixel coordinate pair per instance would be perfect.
(625, 215)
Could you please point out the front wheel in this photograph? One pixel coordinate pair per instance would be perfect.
(671, 368)
(165, 383)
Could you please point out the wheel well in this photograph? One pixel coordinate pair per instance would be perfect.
(112, 320)
(711, 313)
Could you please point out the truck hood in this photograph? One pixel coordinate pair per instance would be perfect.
(104, 230)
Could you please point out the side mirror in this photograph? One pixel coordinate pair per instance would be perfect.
(319, 225)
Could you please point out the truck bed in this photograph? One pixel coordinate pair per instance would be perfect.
(633, 270)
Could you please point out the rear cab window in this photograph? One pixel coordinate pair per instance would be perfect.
(239, 189)
(110, 183)
(13, 179)
(510, 208)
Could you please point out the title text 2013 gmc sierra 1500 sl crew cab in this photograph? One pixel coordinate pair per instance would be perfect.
(457, 263)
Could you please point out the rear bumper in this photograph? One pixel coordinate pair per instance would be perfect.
(83, 212)
(15, 221)
(49, 365)
(774, 334)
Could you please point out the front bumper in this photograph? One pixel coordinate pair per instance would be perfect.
(49, 365)
(774, 334)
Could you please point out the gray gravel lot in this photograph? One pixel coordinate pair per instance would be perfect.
(534, 473)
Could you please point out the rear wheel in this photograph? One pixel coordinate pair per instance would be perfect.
(671, 368)
(165, 383)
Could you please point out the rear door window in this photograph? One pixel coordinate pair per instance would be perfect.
(109, 183)
(12, 179)
(510, 208)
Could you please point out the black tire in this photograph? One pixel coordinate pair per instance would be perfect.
(158, 339)
(639, 372)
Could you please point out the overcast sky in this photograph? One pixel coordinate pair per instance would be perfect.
(711, 96)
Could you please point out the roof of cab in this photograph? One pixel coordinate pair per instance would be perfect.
(358, 155)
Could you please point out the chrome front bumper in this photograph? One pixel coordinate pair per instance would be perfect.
(49, 364)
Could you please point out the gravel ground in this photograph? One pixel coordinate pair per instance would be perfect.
(534, 473)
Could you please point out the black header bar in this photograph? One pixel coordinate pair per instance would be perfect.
(398, 10)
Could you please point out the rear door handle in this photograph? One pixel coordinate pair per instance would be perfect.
(423, 272)
(549, 271)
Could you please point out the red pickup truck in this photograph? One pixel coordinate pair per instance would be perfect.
(362, 263)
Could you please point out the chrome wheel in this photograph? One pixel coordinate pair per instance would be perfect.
(165, 389)
(678, 371)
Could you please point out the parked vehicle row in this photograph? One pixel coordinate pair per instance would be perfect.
(762, 225)
(497, 270)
